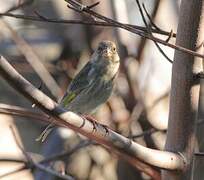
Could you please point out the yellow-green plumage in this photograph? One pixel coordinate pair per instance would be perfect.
(68, 99)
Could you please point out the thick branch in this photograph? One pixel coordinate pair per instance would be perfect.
(120, 144)
(184, 95)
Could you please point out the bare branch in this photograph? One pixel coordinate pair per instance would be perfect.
(22, 112)
(93, 5)
(111, 140)
(149, 17)
(170, 36)
(149, 30)
(51, 171)
(13, 172)
(181, 135)
(147, 132)
(67, 154)
(84, 9)
(199, 154)
(19, 145)
(44, 19)
(35, 62)
(20, 5)
(30, 164)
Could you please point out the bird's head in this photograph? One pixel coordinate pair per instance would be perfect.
(107, 52)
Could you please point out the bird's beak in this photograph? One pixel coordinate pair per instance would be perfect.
(107, 52)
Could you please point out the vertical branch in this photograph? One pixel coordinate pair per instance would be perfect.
(198, 163)
(183, 101)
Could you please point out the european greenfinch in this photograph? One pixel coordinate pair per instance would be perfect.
(93, 85)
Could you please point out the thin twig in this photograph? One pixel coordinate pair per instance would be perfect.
(38, 165)
(13, 160)
(144, 133)
(44, 19)
(19, 145)
(199, 154)
(51, 171)
(93, 5)
(170, 36)
(20, 5)
(68, 153)
(13, 172)
(30, 164)
(150, 19)
(163, 53)
(83, 9)
(22, 112)
(149, 30)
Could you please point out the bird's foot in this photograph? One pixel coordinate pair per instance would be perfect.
(95, 123)
(92, 120)
(106, 128)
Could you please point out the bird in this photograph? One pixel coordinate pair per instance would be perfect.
(94, 83)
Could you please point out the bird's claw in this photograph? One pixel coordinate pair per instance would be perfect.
(95, 124)
(106, 129)
(92, 120)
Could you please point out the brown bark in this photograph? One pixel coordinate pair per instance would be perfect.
(198, 164)
(183, 101)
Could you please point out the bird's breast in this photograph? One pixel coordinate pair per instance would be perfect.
(111, 71)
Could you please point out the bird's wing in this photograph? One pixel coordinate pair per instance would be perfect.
(79, 83)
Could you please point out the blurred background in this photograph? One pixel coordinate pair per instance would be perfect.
(50, 54)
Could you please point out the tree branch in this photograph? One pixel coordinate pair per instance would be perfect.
(35, 62)
(30, 164)
(45, 19)
(76, 6)
(121, 145)
(20, 4)
(22, 112)
(14, 171)
(184, 94)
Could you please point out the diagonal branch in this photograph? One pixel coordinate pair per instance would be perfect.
(30, 164)
(33, 59)
(22, 112)
(44, 19)
(127, 149)
(149, 29)
(76, 6)
(22, 168)
(20, 4)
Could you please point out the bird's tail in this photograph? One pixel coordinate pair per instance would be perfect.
(45, 132)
